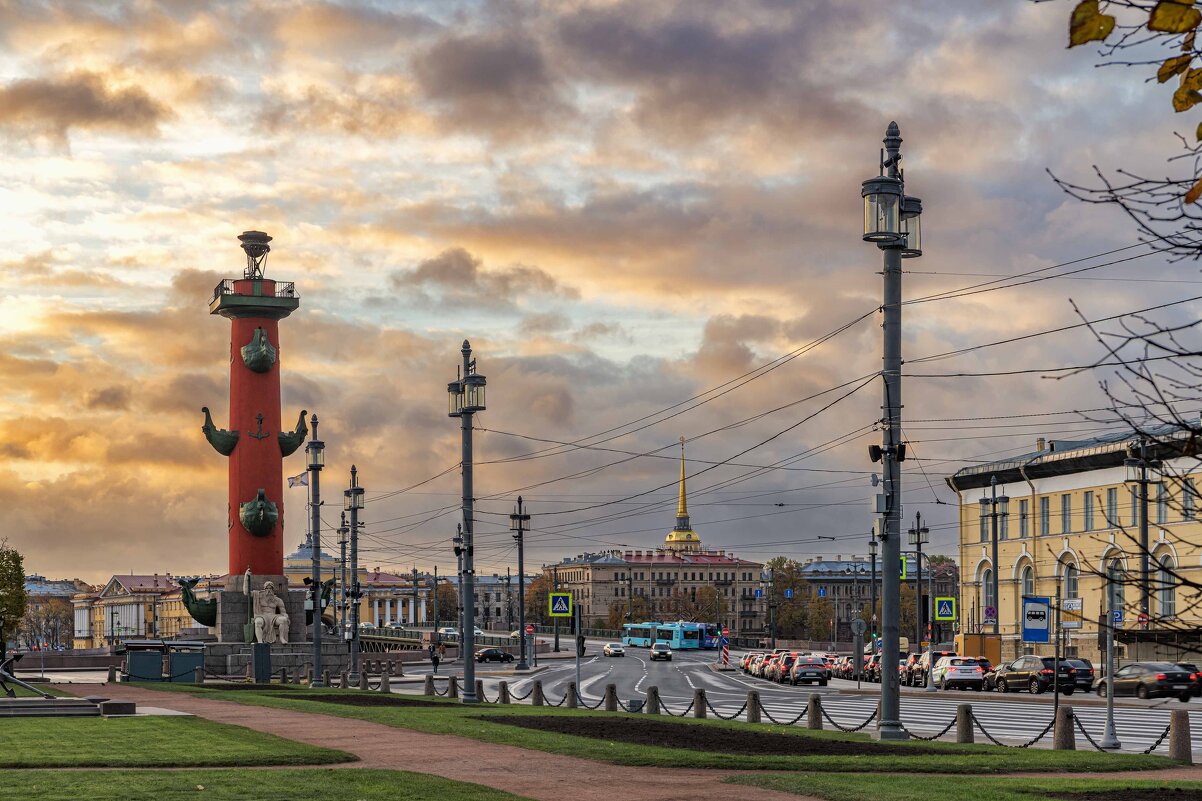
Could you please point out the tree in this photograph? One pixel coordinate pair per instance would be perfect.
(709, 605)
(448, 602)
(51, 623)
(618, 613)
(1162, 34)
(13, 598)
(536, 600)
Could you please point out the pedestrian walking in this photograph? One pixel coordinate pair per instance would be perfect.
(434, 658)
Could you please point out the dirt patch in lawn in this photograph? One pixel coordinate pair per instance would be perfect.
(256, 687)
(1135, 794)
(361, 700)
(705, 738)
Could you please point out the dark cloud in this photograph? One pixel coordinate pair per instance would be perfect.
(724, 348)
(114, 398)
(53, 106)
(500, 85)
(544, 323)
(456, 277)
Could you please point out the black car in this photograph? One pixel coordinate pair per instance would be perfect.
(1151, 680)
(493, 655)
(1033, 673)
(1082, 673)
(1197, 676)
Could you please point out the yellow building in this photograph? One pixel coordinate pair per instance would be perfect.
(124, 609)
(1067, 518)
(682, 538)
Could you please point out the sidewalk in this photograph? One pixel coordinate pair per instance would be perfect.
(534, 774)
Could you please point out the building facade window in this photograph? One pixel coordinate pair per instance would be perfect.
(1162, 502)
(1134, 492)
(1188, 495)
(1112, 506)
(984, 523)
(1072, 582)
(1087, 511)
(1023, 513)
(1114, 579)
(1028, 578)
(1168, 587)
(1066, 513)
(1045, 516)
(987, 586)
(1004, 521)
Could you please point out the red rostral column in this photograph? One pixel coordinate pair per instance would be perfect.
(255, 443)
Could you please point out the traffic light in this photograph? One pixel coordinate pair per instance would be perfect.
(580, 645)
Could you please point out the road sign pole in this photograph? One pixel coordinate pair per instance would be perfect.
(579, 637)
(1110, 738)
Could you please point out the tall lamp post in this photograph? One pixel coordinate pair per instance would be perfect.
(918, 535)
(892, 222)
(466, 396)
(872, 546)
(341, 608)
(1138, 464)
(352, 501)
(316, 449)
(992, 502)
(517, 524)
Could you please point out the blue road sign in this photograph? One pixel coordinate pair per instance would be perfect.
(1116, 617)
(1037, 618)
(759, 593)
(991, 614)
(945, 608)
(822, 592)
(789, 593)
(560, 603)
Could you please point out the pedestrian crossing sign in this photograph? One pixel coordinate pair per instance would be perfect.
(560, 604)
(945, 608)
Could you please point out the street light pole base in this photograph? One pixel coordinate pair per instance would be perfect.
(892, 731)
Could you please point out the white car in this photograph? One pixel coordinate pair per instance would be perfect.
(448, 631)
(613, 649)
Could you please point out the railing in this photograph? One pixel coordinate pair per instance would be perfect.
(283, 289)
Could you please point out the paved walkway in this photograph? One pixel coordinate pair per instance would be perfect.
(534, 774)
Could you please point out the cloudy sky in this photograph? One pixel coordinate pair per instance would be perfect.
(623, 205)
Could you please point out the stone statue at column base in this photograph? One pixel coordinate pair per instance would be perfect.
(270, 615)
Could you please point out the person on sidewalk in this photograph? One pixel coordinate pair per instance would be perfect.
(434, 658)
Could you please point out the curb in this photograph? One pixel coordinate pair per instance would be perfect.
(1076, 699)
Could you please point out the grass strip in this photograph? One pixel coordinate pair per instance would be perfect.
(853, 787)
(450, 717)
(152, 741)
(285, 784)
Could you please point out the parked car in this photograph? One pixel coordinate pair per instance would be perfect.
(1082, 673)
(763, 666)
(396, 626)
(1035, 674)
(908, 674)
(1150, 680)
(958, 671)
(493, 655)
(783, 667)
(613, 649)
(808, 670)
(747, 659)
(753, 664)
(448, 631)
(367, 627)
(920, 670)
(872, 668)
(1192, 668)
(661, 650)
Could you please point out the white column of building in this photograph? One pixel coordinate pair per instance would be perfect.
(412, 611)
(375, 611)
(387, 611)
(423, 610)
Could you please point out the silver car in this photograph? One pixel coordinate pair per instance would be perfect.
(613, 649)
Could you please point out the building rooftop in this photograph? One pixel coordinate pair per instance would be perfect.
(665, 557)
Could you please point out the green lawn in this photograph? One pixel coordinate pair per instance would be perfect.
(907, 788)
(454, 718)
(147, 742)
(23, 693)
(287, 784)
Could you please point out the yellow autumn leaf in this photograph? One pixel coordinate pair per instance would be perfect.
(1185, 98)
(1187, 44)
(1174, 16)
(1194, 192)
(1087, 24)
(1198, 133)
(1192, 79)
(1173, 66)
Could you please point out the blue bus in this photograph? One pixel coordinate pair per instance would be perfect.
(680, 636)
(638, 634)
(712, 633)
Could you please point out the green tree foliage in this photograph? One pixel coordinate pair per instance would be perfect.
(536, 601)
(13, 598)
(448, 602)
(617, 611)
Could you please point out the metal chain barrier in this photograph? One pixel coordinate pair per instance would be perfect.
(444, 692)
(580, 700)
(686, 711)
(484, 697)
(1084, 733)
(1027, 744)
(1159, 740)
(841, 727)
(719, 715)
(917, 736)
(517, 697)
(635, 706)
(133, 677)
(561, 700)
(792, 722)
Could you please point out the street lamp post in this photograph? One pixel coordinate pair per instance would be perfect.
(317, 459)
(341, 608)
(872, 546)
(555, 587)
(992, 502)
(466, 397)
(352, 501)
(892, 223)
(1137, 475)
(918, 535)
(517, 523)
(1110, 738)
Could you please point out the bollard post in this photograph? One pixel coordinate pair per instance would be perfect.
(480, 691)
(1180, 744)
(112, 677)
(398, 669)
(814, 712)
(283, 675)
(652, 705)
(753, 706)
(536, 695)
(964, 733)
(344, 680)
(308, 674)
(453, 687)
(385, 684)
(1063, 738)
(325, 678)
(573, 698)
(302, 676)
(503, 694)
(429, 688)
(198, 675)
(364, 684)
(250, 676)
(699, 703)
(611, 698)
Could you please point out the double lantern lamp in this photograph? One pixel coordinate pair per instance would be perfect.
(891, 218)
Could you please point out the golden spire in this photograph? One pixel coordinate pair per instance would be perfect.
(682, 506)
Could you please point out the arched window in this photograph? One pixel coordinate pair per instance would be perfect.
(1072, 581)
(1115, 578)
(987, 587)
(1168, 588)
(1028, 576)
